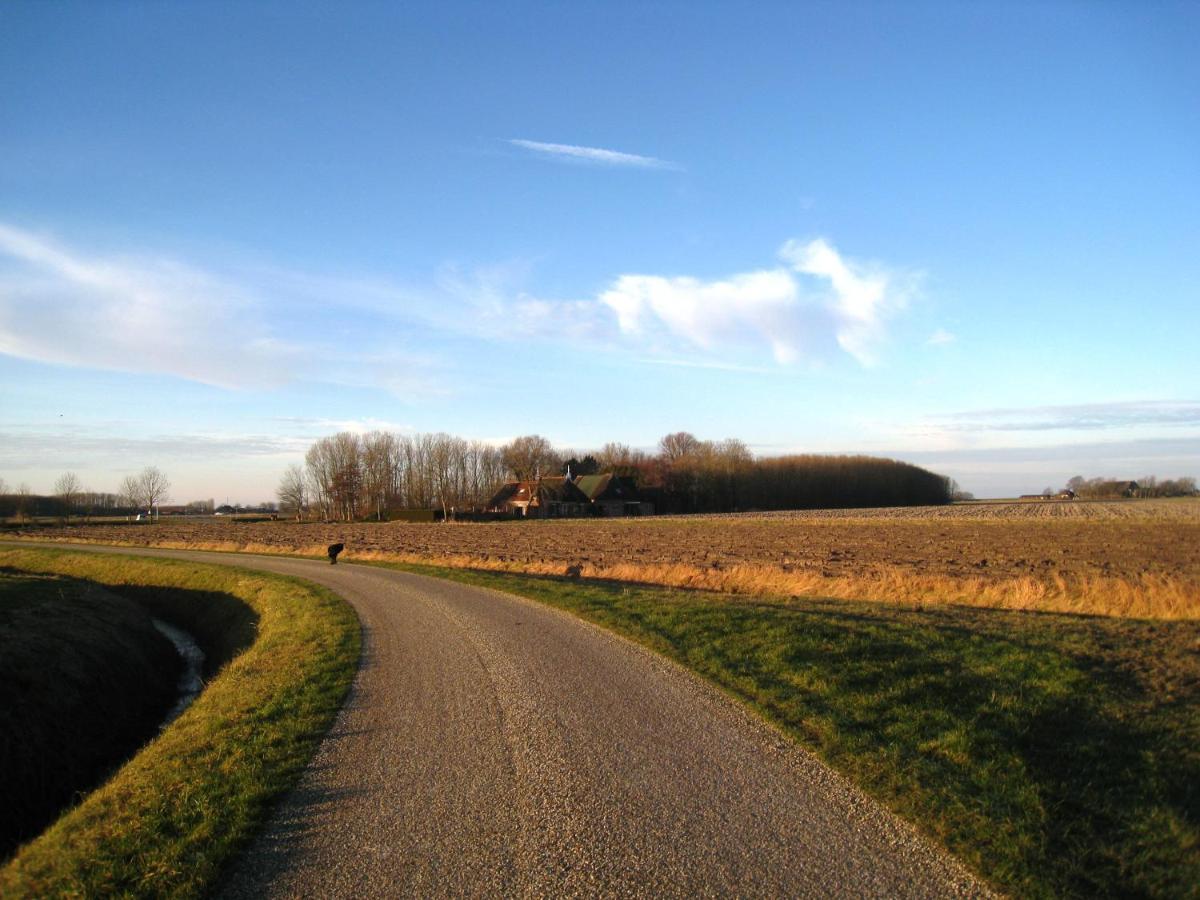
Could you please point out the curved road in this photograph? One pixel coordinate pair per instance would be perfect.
(494, 746)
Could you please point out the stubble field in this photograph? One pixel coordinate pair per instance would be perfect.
(1125, 558)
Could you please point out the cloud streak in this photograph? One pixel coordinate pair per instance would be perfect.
(1077, 417)
(596, 155)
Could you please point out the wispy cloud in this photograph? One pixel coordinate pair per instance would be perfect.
(818, 298)
(598, 155)
(251, 329)
(1077, 417)
(135, 315)
(32, 448)
(940, 338)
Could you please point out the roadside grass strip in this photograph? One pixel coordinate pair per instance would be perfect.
(1059, 756)
(170, 818)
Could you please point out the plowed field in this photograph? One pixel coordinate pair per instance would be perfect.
(1128, 558)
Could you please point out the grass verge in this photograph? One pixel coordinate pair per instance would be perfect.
(168, 820)
(1057, 755)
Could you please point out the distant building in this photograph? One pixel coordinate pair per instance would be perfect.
(541, 498)
(563, 496)
(613, 495)
(1065, 494)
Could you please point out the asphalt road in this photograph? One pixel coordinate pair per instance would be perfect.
(494, 746)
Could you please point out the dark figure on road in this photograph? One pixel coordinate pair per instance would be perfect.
(334, 550)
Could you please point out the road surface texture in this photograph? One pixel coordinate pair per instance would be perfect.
(492, 746)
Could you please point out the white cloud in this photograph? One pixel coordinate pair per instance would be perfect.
(861, 298)
(593, 155)
(145, 315)
(265, 327)
(833, 300)
(708, 314)
(941, 337)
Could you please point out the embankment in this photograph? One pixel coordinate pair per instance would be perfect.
(281, 656)
(85, 680)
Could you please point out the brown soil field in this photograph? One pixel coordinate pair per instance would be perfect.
(1127, 558)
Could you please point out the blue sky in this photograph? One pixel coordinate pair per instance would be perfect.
(966, 235)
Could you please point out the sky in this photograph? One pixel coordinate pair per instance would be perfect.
(965, 235)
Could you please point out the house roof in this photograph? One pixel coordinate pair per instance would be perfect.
(606, 487)
(592, 485)
(556, 488)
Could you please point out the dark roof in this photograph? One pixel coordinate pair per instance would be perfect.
(559, 488)
(607, 487)
(556, 488)
(507, 492)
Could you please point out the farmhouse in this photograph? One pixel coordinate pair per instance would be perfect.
(563, 496)
(540, 498)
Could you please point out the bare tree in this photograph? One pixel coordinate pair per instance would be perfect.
(381, 466)
(677, 447)
(69, 490)
(335, 465)
(293, 491)
(3, 487)
(23, 497)
(147, 490)
(128, 492)
(530, 456)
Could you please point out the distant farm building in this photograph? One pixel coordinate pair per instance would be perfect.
(540, 498)
(563, 497)
(613, 495)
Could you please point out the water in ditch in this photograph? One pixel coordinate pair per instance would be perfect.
(190, 683)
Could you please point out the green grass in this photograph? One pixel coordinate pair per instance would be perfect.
(166, 822)
(1056, 755)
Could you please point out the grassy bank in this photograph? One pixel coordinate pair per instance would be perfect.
(1057, 755)
(66, 725)
(168, 820)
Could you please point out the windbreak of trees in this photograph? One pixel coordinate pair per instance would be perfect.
(348, 476)
(723, 476)
(819, 482)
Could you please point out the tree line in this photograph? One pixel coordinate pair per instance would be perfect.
(142, 492)
(1147, 486)
(348, 476)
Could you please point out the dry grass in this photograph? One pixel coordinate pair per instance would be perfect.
(1143, 597)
